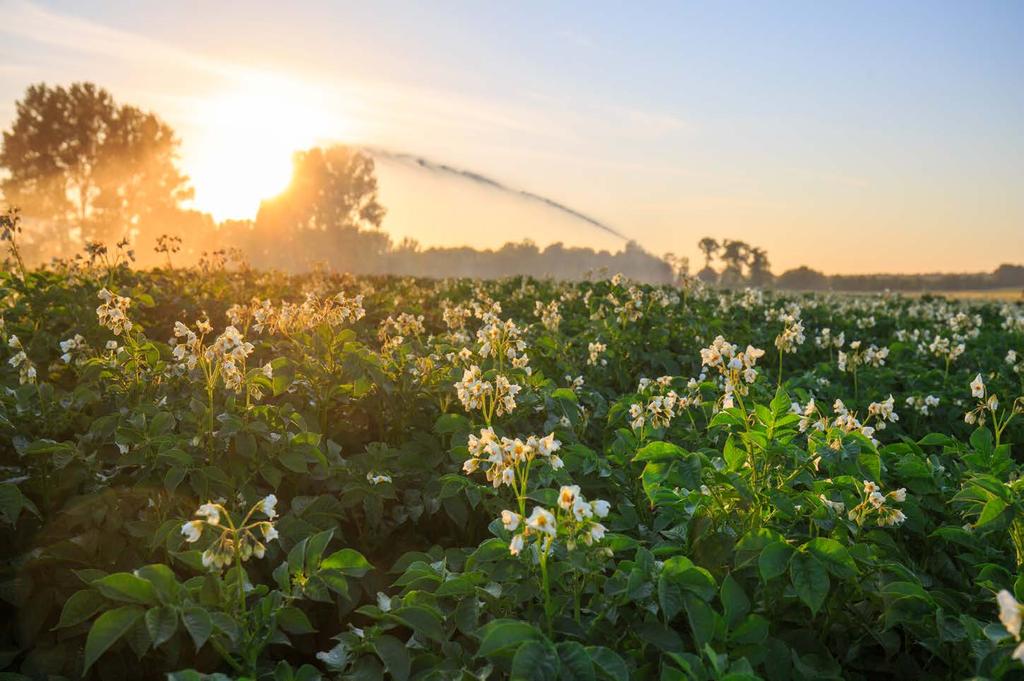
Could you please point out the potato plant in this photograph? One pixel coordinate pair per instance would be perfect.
(219, 474)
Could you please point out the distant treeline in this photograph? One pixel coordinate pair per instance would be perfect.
(806, 279)
(746, 265)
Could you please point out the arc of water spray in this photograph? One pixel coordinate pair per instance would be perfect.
(494, 184)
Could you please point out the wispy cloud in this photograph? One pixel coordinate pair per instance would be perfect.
(31, 22)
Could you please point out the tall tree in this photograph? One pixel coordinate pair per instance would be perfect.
(77, 159)
(759, 266)
(709, 247)
(734, 255)
(330, 210)
(331, 188)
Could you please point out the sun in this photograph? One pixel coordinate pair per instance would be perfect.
(247, 137)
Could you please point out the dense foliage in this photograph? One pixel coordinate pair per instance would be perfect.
(221, 474)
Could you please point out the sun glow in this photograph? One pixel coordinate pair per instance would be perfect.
(247, 137)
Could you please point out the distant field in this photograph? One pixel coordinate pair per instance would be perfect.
(1011, 293)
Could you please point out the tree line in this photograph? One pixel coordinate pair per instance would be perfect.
(746, 265)
(87, 171)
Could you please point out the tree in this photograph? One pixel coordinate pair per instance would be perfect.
(331, 188)
(330, 211)
(709, 247)
(803, 279)
(759, 266)
(734, 255)
(77, 159)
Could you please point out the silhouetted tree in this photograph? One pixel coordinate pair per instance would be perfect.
(77, 159)
(734, 255)
(758, 266)
(330, 189)
(802, 279)
(708, 247)
(329, 209)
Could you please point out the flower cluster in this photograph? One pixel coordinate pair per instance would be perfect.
(946, 349)
(502, 340)
(291, 318)
(233, 542)
(825, 339)
(792, 336)
(736, 368)
(550, 315)
(21, 362)
(630, 308)
(71, 347)
(113, 312)
(225, 357)
(879, 506)
(859, 356)
(594, 352)
(986, 402)
(577, 519)
(404, 324)
(844, 420)
(455, 316)
(1014, 359)
(883, 412)
(922, 405)
(497, 398)
(660, 404)
(507, 460)
(988, 405)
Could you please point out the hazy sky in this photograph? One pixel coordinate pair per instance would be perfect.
(852, 137)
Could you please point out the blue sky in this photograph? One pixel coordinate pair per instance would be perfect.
(851, 137)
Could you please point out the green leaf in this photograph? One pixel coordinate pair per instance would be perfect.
(294, 621)
(200, 626)
(349, 561)
(500, 635)
(702, 620)
(833, 555)
(283, 376)
(161, 622)
(733, 454)
(936, 439)
(810, 579)
(107, 629)
(162, 578)
(752, 630)
(734, 600)
(659, 451)
(534, 661)
(315, 547)
(293, 460)
(422, 621)
(781, 403)
(81, 606)
(394, 655)
(447, 424)
(609, 663)
(991, 512)
(981, 440)
(774, 560)
(659, 636)
(124, 586)
(576, 662)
